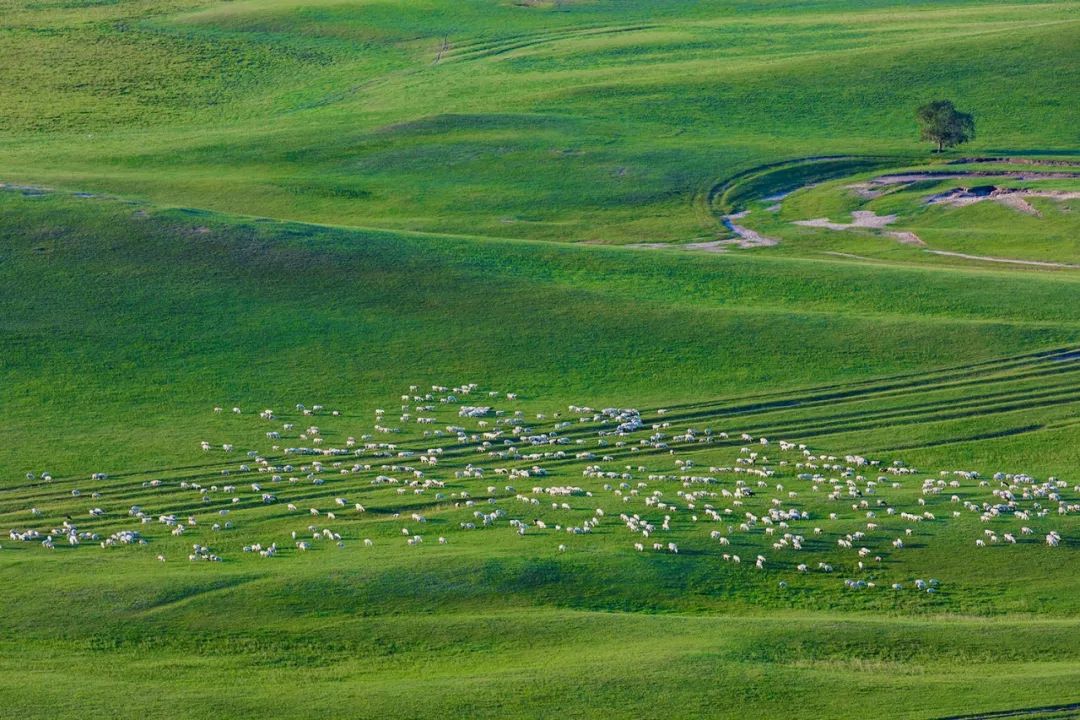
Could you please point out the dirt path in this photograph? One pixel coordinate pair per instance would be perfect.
(1013, 261)
(747, 238)
(848, 255)
(946, 175)
(744, 238)
(1048, 710)
(906, 237)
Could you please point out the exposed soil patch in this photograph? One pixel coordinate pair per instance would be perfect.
(866, 190)
(1013, 198)
(907, 238)
(1018, 203)
(859, 219)
(866, 220)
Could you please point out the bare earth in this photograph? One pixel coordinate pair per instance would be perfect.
(859, 219)
(1009, 197)
(866, 219)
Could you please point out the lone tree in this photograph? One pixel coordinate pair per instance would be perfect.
(940, 122)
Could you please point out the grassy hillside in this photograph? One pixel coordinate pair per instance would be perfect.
(596, 121)
(113, 310)
(125, 324)
(260, 203)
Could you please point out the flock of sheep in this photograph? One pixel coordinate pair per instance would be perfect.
(448, 457)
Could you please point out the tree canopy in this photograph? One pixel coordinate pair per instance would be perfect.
(941, 123)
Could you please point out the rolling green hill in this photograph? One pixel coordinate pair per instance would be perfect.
(536, 121)
(715, 213)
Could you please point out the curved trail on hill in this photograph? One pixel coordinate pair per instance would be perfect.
(988, 258)
(1060, 712)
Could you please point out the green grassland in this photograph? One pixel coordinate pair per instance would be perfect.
(537, 122)
(121, 310)
(263, 203)
(124, 324)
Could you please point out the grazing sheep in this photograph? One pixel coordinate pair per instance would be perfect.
(766, 496)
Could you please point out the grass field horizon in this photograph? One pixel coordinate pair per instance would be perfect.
(353, 122)
(589, 358)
